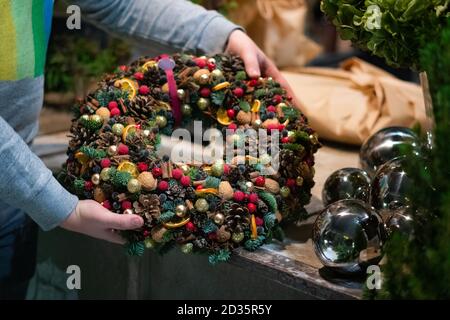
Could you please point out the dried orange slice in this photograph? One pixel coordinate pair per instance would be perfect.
(253, 227)
(204, 192)
(149, 64)
(131, 128)
(129, 85)
(130, 167)
(256, 105)
(222, 117)
(221, 86)
(173, 225)
(81, 157)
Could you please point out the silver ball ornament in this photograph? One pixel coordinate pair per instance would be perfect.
(216, 74)
(204, 79)
(347, 183)
(386, 145)
(181, 94)
(401, 220)
(390, 186)
(95, 178)
(345, 233)
(112, 150)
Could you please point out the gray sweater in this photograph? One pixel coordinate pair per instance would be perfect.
(26, 185)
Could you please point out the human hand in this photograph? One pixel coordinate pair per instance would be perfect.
(257, 64)
(92, 219)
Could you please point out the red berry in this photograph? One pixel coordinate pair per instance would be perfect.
(107, 205)
(211, 66)
(259, 221)
(126, 205)
(271, 109)
(281, 127)
(238, 196)
(146, 233)
(139, 76)
(212, 236)
(253, 197)
(277, 99)
(238, 92)
(230, 113)
(142, 166)
(290, 182)
(289, 98)
(260, 181)
(185, 181)
(144, 90)
(115, 112)
(285, 140)
(177, 174)
(232, 126)
(199, 187)
(112, 105)
(251, 207)
(205, 92)
(157, 171)
(122, 149)
(88, 185)
(105, 163)
(201, 63)
(163, 185)
(226, 169)
(138, 127)
(190, 227)
(123, 68)
(253, 83)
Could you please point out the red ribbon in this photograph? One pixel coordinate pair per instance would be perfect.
(167, 65)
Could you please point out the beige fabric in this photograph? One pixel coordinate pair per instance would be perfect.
(278, 27)
(351, 103)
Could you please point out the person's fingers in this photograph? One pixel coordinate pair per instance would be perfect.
(251, 63)
(122, 221)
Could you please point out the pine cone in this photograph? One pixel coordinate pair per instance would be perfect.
(149, 205)
(236, 216)
(289, 164)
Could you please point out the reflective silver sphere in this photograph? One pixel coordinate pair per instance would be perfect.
(347, 183)
(400, 220)
(390, 186)
(386, 145)
(348, 235)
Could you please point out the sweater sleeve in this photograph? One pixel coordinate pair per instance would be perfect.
(27, 184)
(166, 24)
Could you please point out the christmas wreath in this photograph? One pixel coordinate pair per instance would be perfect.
(203, 207)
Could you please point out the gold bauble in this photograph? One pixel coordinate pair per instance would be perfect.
(216, 74)
(204, 79)
(186, 109)
(219, 218)
(117, 129)
(201, 205)
(96, 118)
(146, 132)
(161, 121)
(257, 123)
(95, 178)
(134, 186)
(180, 210)
(237, 236)
(104, 174)
(99, 195)
(299, 181)
(203, 103)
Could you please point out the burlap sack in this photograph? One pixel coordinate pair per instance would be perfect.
(351, 103)
(278, 27)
